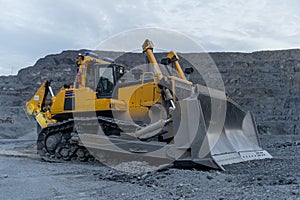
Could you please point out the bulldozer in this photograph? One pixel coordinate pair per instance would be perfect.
(152, 113)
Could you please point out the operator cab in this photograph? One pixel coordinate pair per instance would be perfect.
(102, 78)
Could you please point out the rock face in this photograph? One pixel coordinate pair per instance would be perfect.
(266, 83)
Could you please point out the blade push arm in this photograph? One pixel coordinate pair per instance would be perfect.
(148, 49)
(174, 59)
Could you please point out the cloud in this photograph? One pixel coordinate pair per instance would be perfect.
(32, 29)
(238, 25)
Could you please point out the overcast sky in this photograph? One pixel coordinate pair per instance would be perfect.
(31, 29)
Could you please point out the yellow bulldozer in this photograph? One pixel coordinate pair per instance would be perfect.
(151, 113)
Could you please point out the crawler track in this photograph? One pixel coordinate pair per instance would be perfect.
(61, 141)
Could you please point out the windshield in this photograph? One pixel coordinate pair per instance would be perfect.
(106, 80)
(100, 77)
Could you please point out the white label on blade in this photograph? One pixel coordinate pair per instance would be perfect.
(36, 97)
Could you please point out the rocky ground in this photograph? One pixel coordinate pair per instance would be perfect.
(24, 176)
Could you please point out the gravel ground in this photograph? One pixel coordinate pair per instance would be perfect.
(24, 176)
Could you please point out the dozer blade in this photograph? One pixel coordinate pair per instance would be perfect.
(209, 129)
(215, 131)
